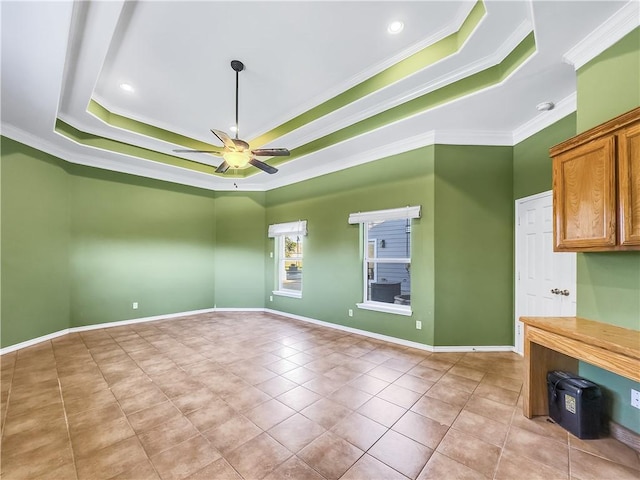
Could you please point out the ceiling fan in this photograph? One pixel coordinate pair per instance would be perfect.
(237, 153)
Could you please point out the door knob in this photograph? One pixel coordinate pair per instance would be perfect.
(565, 293)
(555, 291)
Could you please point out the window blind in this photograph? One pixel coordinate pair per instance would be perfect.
(290, 229)
(382, 215)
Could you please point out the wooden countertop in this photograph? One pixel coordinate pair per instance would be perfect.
(624, 341)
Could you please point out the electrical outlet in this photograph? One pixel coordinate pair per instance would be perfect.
(418, 325)
(635, 398)
(135, 305)
(271, 298)
(350, 312)
(270, 254)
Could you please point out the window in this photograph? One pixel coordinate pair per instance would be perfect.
(289, 247)
(386, 258)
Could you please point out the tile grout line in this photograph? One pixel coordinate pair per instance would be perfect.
(485, 373)
(306, 341)
(6, 411)
(449, 427)
(506, 436)
(64, 411)
(135, 434)
(200, 434)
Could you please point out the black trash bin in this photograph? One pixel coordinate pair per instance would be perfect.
(575, 404)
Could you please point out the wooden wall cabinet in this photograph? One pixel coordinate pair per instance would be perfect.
(596, 188)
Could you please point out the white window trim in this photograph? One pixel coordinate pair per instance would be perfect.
(363, 218)
(386, 308)
(287, 293)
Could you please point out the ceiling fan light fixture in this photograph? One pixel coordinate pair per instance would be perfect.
(237, 159)
(395, 27)
(236, 152)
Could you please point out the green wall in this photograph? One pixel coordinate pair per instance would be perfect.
(35, 243)
(138, 240)
(332, 279)
(80, 245)
(465, 192)
(173, 248)
(609, 283)
(473, 245)
(608, 84)
(532, 172)
(240, 244)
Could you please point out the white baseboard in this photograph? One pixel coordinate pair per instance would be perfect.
(477, 348)
(154, 318)
(378, 336)
(398, 341)
(98, 326)
(235, 309)
(33, 341)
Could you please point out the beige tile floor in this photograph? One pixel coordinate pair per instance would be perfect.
(237, 395)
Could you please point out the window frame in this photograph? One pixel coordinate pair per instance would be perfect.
(281, 271)
(364, 219)
(279, 232)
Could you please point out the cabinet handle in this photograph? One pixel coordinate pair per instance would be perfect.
(555, 291)
(565, 293)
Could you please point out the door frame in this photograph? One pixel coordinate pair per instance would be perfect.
(517, 325)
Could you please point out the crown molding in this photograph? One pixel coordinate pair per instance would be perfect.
(177, 175)
(564, 107)
(360, 158)
(141, 168)
(479, 137)
(613, 29)
(313, 131)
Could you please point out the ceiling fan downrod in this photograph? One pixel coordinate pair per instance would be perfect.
(237, 66)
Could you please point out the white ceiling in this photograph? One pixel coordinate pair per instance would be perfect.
(57, 56)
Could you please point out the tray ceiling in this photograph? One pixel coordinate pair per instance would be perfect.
(323, 79)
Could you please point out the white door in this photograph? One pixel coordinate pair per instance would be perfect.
(545, 280)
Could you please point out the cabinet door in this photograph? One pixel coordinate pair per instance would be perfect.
(629, 185)
(584, 197)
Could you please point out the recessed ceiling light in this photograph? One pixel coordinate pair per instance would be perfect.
(545, 106)
(126, 87)
(395, 27)
(233, 128)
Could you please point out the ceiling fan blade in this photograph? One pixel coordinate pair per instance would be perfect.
(271, 152)
(241, 145)
(263, 166)
(224, 138)
(224, 166)
(214, 152)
